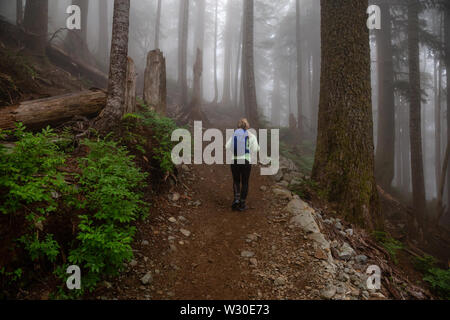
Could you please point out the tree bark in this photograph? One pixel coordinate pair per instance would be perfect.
(36, 114)
(441, 186)
(200, 42)
(216, 87)
(276, 105)
(182, 50)
(415, 126)
(158, 24)
(299, 68)
(447, 62)
(226, 94)
(238, 66)
(384, 158)
(155, 91)
(248, 70)
(36, 25)
(110, 116)
(130, 90)
(344, 160)
(196, 103)
(437, 120)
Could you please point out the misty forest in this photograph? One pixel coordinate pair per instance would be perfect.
(357, 88)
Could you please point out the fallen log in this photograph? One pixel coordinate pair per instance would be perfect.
(38, 113)
(76, 67)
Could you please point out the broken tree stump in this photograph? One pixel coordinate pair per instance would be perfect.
(39, 113)
(130, 90)
(155, 91)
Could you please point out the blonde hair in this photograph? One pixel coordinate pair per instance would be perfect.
(243, 124)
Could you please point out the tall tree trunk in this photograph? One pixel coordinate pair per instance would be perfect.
(103, 33)
(19, 12)
(200, 42)
(299, 68)
(226, 95)
(344, 160)
(238, 67)
(405, 149)
(158, 24)
(437, 121)
(418, 184)
(276, 105)
(118, 68)
(36, 25)
(384, 158)
(250, 101)
(216, 87)
(447, 62)
(183, 26)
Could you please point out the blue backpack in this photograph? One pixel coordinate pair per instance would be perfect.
(241, 143)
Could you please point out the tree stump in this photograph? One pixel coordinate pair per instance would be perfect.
(155, 91)
(130, 90)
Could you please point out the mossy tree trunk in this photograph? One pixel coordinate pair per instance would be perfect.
(344, 160)
(113, 111)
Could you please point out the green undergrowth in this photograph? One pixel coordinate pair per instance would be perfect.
(148, 124)
(82, 216)
(391, 245)
(437, 278)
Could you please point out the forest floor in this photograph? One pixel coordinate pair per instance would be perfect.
(193, 246)
(197, 248)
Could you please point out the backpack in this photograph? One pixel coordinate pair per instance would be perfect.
(241, 143)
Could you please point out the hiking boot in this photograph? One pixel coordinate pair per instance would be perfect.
(242, 206)
(235, 206)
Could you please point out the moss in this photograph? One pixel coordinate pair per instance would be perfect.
(344, 161)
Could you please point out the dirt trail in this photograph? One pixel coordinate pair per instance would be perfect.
(209, 262)
(227, 255)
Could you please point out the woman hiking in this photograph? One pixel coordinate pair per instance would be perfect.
(243, 143)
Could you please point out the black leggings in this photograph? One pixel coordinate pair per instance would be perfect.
(241, 173)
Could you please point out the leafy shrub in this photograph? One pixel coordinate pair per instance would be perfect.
(439, 280)
(162, 128)
(31, 186)
(47, 248)
(425, 263)
(29, 174)
(108, 193)
(110, 183)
